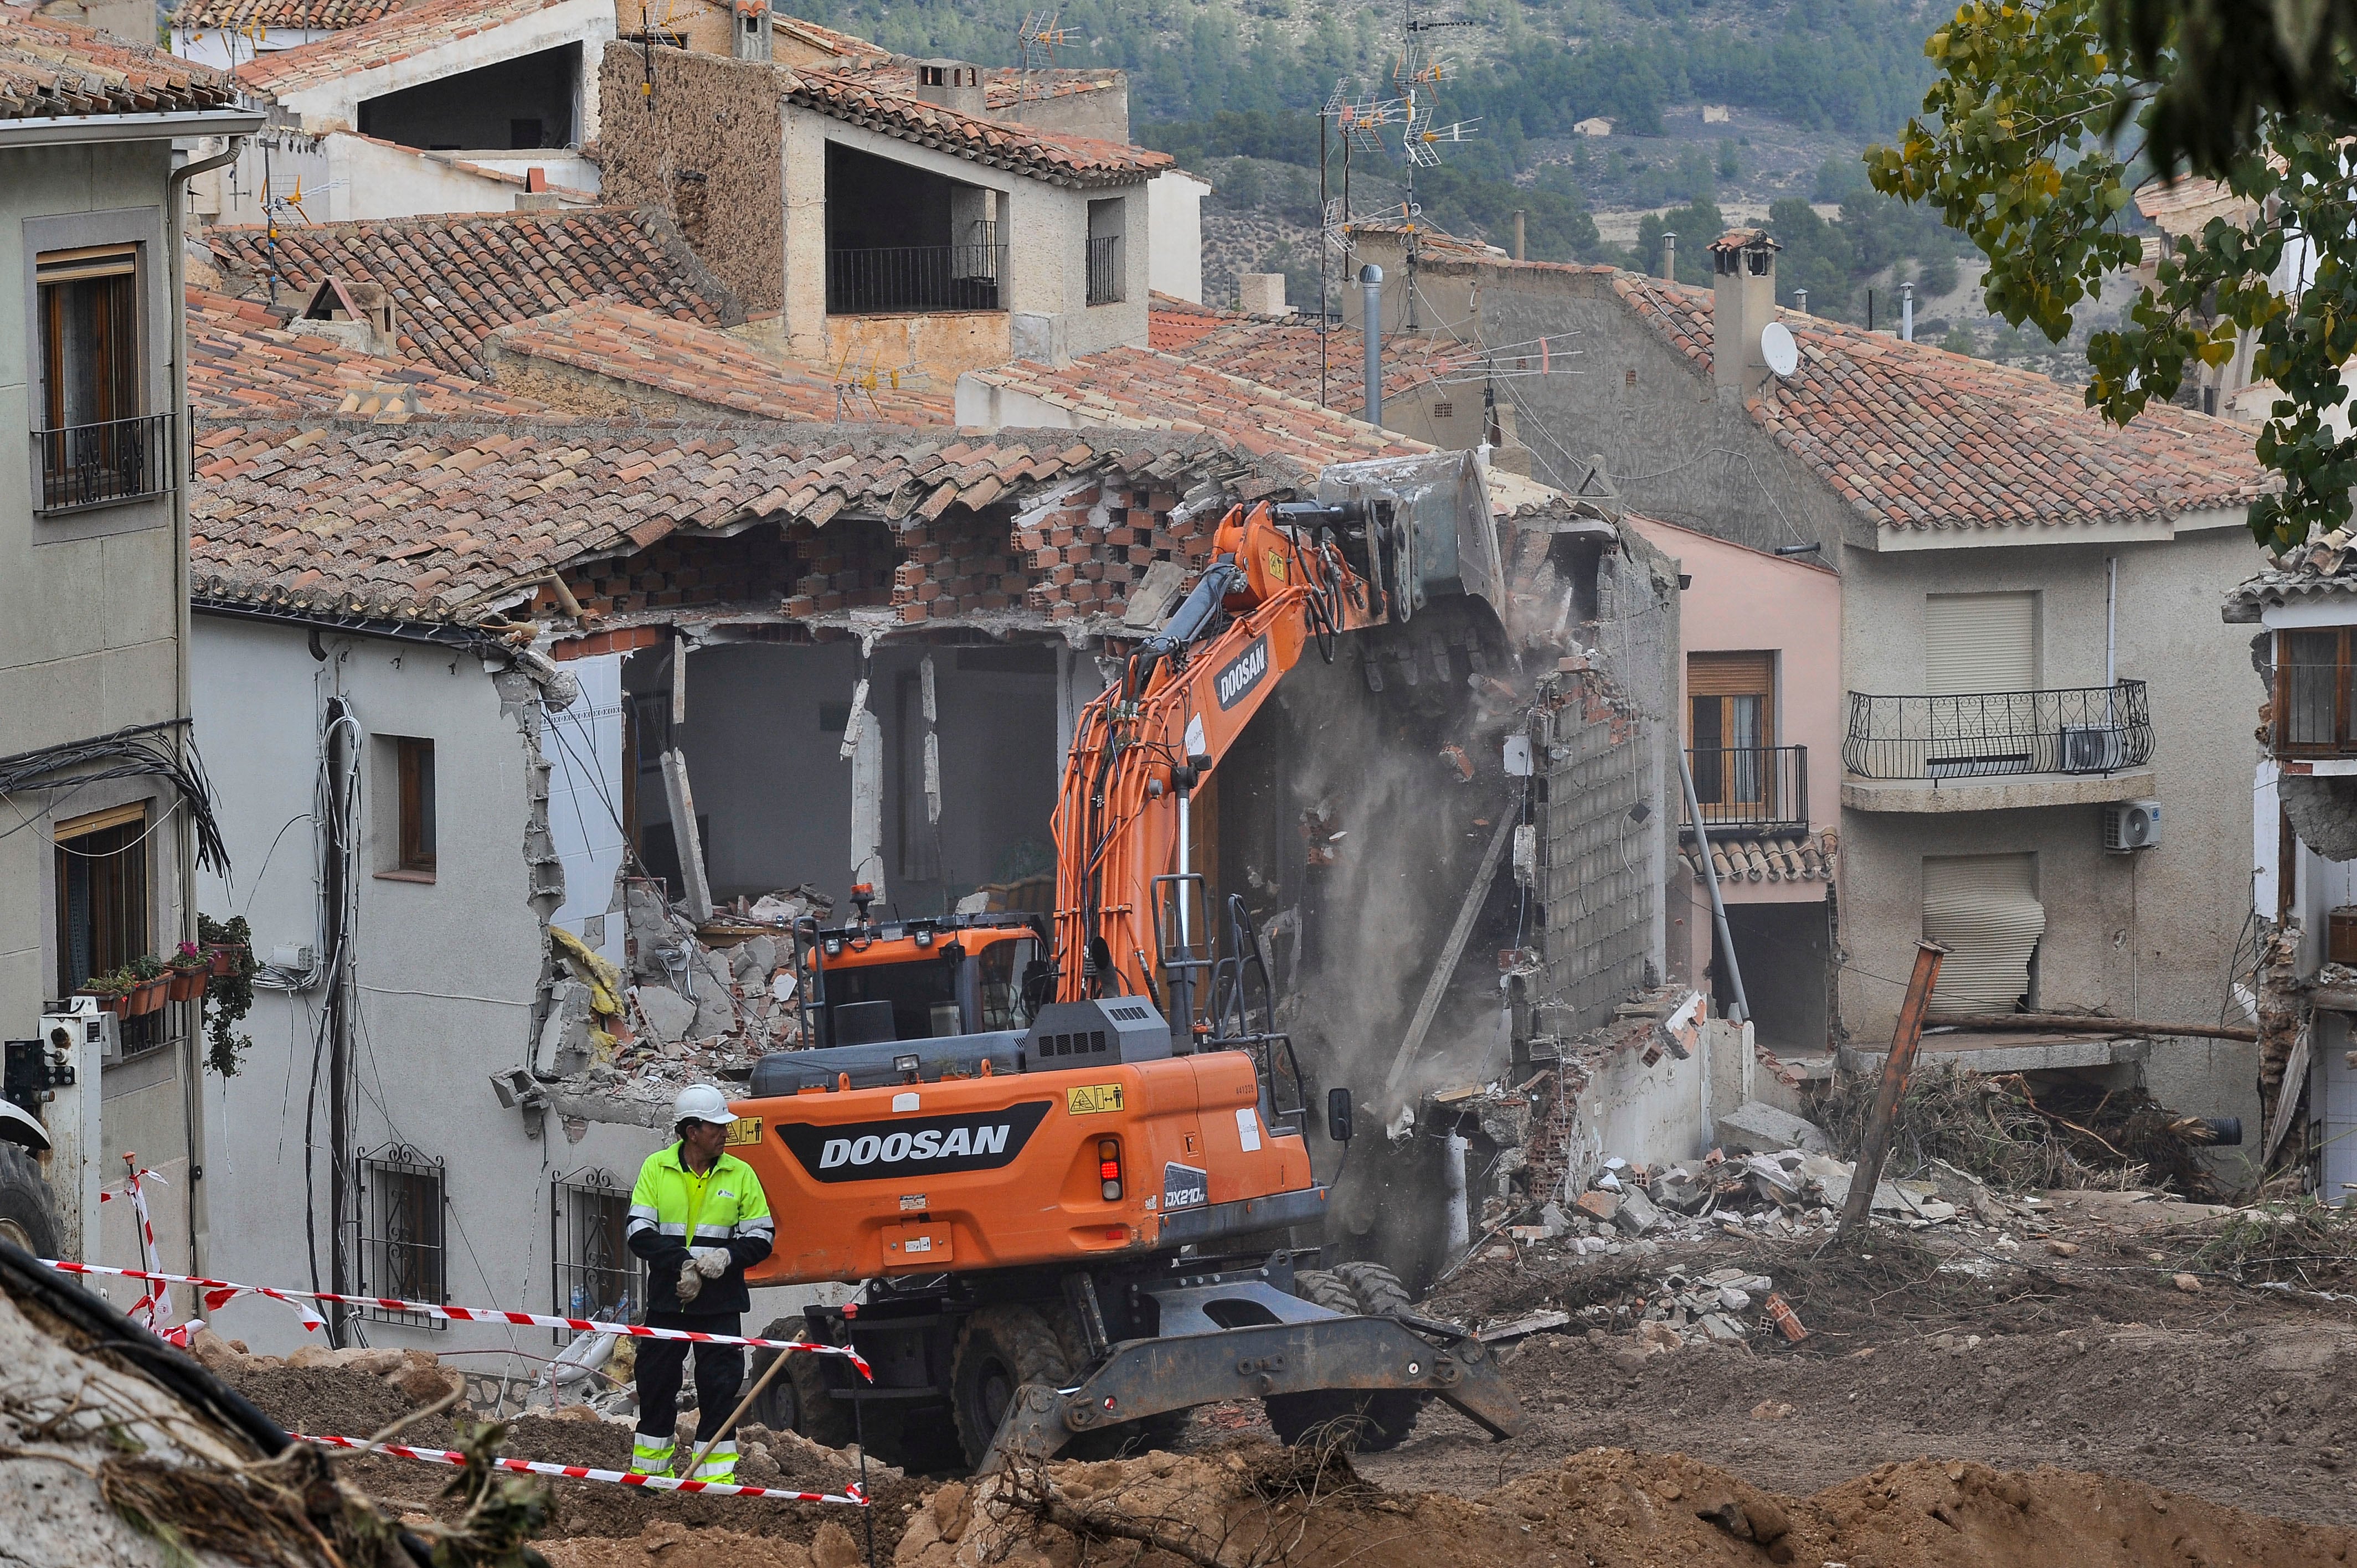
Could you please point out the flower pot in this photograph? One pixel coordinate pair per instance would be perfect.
(229, 958)
(188, 984)
(114, 1002)
(150, 996)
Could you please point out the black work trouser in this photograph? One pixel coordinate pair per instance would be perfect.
(720, 1373)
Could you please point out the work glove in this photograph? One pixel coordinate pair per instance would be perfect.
(691, 1283)
(711, 1261)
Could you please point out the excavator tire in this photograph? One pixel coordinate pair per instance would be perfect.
(1000, 1349)
(796, 1400)
(28, 1214)
(1140, 1436)
(1368, 1422)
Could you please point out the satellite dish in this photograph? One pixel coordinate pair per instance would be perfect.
(1776, 346)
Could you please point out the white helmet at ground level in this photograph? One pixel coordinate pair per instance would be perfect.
(701, 1102)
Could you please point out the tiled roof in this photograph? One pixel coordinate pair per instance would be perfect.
(395, 35)
(857, 99)
(1920, 439)
(1287, 355)
(1143, 390)
(306, 15)
(1738, 857)
(1171, 323)
(851, 48)
(447, 521)
(699, 364)
(2325, 569)
(455, 279)
(244, 362)
(49, 68)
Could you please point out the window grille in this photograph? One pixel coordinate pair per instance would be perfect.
(400, 1199)
(593, 1273)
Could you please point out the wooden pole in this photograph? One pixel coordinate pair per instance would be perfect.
(1895, 1068)
(777, 1364)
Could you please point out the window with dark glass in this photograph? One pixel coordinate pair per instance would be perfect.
(97, 443)
(417, 771)
(2313, 692)
(103, 905)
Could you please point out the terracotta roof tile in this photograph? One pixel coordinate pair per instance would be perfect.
(245, 361)
(687, 360)
(308, 16)
(858, 99)
(1916, 438)
(459, 520)
(391, 35)
(49, 68)
(1290, 355)
(456, 279)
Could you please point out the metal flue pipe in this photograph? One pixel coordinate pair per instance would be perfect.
(1371, 331)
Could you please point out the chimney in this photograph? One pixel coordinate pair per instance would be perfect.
(753, 38)
(1743, 278)
(1519, 216)
(1261, 294)
(1669, 258)
(1800, 300)
(952, 84)
(1370, 332)
(1907, 312)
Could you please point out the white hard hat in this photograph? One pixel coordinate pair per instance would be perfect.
(701, 1102)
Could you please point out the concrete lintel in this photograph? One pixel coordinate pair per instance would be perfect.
(584, 1104)
(2043, 1055)
(2010, 792)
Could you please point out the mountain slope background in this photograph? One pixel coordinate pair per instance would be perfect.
(1232, 89)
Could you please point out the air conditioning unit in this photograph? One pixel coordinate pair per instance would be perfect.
(2092, 749)
(2131, 824)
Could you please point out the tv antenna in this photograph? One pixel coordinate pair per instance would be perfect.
(1040, 36)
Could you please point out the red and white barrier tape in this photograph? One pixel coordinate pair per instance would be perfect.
(151, 1303)
(451, 1456)
(216, 1292)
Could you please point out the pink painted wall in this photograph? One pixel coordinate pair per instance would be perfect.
(1744, 600)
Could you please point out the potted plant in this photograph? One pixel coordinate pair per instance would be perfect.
(190, 966)
(229, 993)
(102, 987)
(148, 984)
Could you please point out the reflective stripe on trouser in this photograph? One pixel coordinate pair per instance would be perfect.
(720, 1465)
(651, 1455)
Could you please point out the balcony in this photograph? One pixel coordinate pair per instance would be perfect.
(1997, 750)
(101, 465)
(1751, 789)
(906, 280)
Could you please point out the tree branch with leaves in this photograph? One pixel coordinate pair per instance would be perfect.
(2025, 145)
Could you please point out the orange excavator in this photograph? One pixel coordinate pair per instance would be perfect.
(1065, 1174)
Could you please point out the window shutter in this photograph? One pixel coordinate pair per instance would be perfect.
(1980, 642)
(1984, 910)
(1730, 674)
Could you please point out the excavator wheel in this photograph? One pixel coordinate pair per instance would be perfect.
(1367, 1422)
(1143, 1435)
(796, 1400)
(1001, 1349)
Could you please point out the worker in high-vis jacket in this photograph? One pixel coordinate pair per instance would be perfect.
(699, 1218)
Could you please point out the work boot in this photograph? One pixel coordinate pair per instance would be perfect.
(651, 1455)
(720, 1465)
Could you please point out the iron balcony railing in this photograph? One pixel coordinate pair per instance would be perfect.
(1751, 786)
(2084, 729)
(97, 465)
(1104, 270)
(906, 279)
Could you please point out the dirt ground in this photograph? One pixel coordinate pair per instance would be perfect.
(2112, 1397)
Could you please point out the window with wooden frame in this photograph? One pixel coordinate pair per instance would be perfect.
(2314, 693)
(415, 768)
(1731, 727)
(97, 443)
(103, 905)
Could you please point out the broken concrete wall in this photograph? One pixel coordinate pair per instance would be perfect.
(763, 740)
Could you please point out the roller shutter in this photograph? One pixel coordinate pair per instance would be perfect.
(1984, 910)
(1980, 642)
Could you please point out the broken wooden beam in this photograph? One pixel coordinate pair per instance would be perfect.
(2079, 1024)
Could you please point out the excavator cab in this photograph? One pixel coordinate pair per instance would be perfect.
(883, 981)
